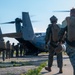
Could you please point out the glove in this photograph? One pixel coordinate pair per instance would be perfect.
(58, 49)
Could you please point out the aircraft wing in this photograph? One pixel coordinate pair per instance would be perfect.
(12, 35)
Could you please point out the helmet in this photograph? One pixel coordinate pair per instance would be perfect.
(8, 41)
(53, 18)
(72, 10)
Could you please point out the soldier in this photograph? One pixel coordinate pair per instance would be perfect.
(52, 37)
(8, 49)
(2, 46)
(12, 51)
(70, 37)
(17, 50)
(21, 49)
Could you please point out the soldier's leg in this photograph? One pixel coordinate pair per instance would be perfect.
(7, 54)
(60, 62)
(21, 52)
(3, 55)
(72, 59)
(16, 53)
(11, 53)
(71, 53)
(73, 70)
(50, 59)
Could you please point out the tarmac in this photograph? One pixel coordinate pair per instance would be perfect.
(37, 60)
(67, 68)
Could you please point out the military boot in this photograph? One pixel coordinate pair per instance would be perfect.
(48, 69)
(60, 70)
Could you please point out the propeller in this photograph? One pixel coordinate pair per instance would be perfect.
(11, 22)
(17, 20)
(34, 21)
(62, 11)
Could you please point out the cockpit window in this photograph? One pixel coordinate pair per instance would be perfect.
(39, 34)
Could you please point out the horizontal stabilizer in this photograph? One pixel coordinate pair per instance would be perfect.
(12, 35)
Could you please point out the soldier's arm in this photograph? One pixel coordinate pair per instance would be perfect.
(61, 33)
(47, 37)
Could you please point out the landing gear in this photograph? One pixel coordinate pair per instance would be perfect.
(31, 52)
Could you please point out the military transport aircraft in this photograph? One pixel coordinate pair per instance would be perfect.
(33, 42)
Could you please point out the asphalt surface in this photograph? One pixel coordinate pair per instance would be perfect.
(67, 68)
(36, 61)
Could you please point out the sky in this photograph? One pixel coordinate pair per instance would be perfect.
(39, 10)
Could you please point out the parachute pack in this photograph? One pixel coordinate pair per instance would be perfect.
(71, 28)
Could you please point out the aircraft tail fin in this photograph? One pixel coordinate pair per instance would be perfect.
(27, 31)
(1, 38)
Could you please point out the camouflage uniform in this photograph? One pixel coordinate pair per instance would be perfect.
(48, 38)
(12, 51)
(17, 50)
(70, 47)
(8, 49)
(52, 52)
(71, 53)
(59, 58)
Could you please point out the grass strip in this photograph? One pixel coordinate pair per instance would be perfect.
(36, 71)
